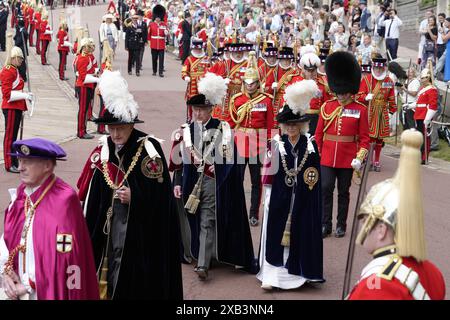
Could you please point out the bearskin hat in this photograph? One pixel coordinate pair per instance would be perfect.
(343, 73)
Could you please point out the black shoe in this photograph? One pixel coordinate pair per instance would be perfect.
(202, 273)
(13, 169)
(325, 231)
(434, 149)
(138, 74)
(424, 162)
(87, 136)
(154, 74)
(130, 73)
(340, 232)
(161, 75)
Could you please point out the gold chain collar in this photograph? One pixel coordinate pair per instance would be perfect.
(105, 169)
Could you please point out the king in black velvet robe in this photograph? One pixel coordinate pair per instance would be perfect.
(143, 255)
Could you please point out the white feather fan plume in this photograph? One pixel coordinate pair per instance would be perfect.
(307, 49)
(299, 94)
(118, 100)
(214, 88)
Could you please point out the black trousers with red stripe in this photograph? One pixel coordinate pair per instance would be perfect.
(62, 63)
(85, 96)
(12, 125)
(44, 51)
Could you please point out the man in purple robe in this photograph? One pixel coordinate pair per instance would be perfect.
(45, 251)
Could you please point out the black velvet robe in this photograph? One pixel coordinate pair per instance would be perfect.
(306, 249)
(144, 256)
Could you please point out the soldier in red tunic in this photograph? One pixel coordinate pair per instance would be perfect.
(377, 92)
(45, 36)
(426, 108)
(63, 48)
(38, 20)
(281, 78)
(233, 70)
(392, 231)
(86, 68)
(252, 114)
(267, 65)
(193, 70)
(13, 101)
(342, 136)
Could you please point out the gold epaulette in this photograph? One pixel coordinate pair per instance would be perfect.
(391, 267)
(268, 95)
(236, 96)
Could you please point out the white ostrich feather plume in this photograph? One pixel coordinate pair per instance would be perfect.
(118, 100)
(214, 88)
(299, 94)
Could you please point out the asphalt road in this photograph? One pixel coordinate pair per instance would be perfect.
(162, 108)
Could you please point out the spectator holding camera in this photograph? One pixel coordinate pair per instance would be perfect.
(429, 47)
(392, 24)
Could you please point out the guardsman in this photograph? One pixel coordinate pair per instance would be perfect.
(32, 22)
(252, 114)
(342, 136)
(309, 64)
(392, 231)
(426, 108)
(207, 178)
(63, 48)
(157, 33)
(267, 65)
(37, 21)
(13, 101)
(377, 92)
(232, 70)
(194, 68)
(45, 36)
(281, 78)
(85, 84)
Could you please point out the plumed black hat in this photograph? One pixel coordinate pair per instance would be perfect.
(199, 100)
(159, 12)
(287, 116)
(343, 73)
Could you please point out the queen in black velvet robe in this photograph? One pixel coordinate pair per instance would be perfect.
(281, 266)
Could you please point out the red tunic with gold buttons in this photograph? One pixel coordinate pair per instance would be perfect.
(252, 119)
(427, 98)
(342, 133)
(283, 77)
(382, 103)
(157, 35)
(375, 287)
(194, 68)
(233, 71)
(264, 72)
(45, 26)
(11, 80)
(85, 64)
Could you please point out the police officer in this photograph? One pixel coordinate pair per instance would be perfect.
(133, 40)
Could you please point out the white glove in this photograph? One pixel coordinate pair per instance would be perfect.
(356, 164)
(429, 117)
(48, 32)
(67, 44)
(227, 80)
(19, 95)
(91, 79)
(274, 85)
(369, 97)
(180, 36)
(187, 79)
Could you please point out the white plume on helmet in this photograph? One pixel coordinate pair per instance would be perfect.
(310, 60)
(299, 94)
(118, 100)
(214, 88)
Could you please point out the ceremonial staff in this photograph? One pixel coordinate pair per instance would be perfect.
(351, 246)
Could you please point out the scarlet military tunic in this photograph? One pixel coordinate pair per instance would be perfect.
(62, 37)
(194, 68)
(264, 72)
(85, 64)
(11, 80)
(427, 98)
(252, 121)
(374, 287)
(45, 26)
(233, 71)
(157, 35)
(342, 133)
(283, 77)
(382, 103)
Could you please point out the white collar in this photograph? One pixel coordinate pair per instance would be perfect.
(198, 56)
(29, 191)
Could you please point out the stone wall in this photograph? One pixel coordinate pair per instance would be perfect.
(408, 12)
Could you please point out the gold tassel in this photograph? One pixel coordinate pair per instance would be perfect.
(194, 198)
(286, 241)
(103, 282)
(209, 49)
